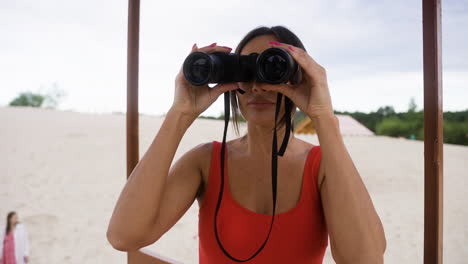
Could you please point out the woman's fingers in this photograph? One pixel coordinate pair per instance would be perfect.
(285, 89)
(194, 47)
(214, 48)
(222, 88)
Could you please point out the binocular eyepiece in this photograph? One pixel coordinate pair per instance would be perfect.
(274, 66)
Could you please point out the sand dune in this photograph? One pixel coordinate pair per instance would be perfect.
(63, 171)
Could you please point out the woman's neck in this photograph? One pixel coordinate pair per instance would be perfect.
(259, 140)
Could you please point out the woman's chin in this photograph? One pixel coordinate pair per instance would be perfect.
(256, 119)
(260, 116)
(261, 107)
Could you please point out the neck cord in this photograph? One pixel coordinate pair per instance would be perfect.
(274, 166)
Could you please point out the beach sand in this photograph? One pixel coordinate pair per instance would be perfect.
(63, 172)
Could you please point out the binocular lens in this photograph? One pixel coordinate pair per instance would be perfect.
(198, 68)
(274, 67)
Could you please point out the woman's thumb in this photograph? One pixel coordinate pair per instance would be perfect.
(194, 47)
(222, 88)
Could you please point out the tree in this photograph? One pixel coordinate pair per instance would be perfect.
(49, 99)
(412, 105)
(386, 110)
(28, 99)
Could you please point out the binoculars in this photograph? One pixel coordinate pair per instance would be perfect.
(274, 66)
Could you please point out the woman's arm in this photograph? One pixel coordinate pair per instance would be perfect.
(137, 208)
(356, 232)
(136, 212)
(154, 197)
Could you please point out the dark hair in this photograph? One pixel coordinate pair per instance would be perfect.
(9, 216)
(283, 35)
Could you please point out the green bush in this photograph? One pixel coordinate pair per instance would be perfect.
(410, 124)
(28, 99)
(394, 127)
(48, 99)
(456, 132)
(420, 134)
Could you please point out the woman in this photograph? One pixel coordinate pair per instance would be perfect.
(320, 192)
(14, 248)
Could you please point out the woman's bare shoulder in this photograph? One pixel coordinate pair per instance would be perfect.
(201, 152)
(304, 147)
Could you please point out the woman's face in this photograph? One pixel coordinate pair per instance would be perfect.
(256, 104)
(14, 219)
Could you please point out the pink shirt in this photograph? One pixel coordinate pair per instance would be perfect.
(9, 249)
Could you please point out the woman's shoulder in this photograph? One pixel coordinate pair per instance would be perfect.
(204, 152)
(201, 155)
(304, 148)
(203, 148)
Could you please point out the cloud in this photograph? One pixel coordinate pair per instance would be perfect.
(81, 45)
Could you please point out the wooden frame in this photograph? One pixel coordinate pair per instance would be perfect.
(433, 124)
(433, 133)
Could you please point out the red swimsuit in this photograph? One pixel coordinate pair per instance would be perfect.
(298, 235)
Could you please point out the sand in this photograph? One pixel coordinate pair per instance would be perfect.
(63, 171)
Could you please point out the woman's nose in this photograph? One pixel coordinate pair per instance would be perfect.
(258, 87)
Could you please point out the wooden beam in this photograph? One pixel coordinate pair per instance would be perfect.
(132, 84)
(132, 99)
(141, 256)
(433, 133)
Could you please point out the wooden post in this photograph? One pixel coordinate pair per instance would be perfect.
(132, 84)
(141, 256)
(132, 99)
(433, 133)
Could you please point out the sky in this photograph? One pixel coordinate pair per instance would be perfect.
(372, 50)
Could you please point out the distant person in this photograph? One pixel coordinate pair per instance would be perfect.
(320, 193)
(14, 248)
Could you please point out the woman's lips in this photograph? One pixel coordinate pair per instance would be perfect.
(260, 104)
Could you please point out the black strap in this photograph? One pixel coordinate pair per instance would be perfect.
(274, 167)
(287, 109)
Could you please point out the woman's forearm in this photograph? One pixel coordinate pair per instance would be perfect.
(138, 205)
(353, 223)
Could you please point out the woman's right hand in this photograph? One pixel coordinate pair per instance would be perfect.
(193, 100)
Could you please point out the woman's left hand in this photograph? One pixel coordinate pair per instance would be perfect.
(311, 95)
